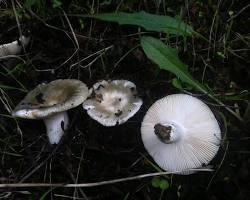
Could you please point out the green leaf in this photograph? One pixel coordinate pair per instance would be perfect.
(56, 3)
(167, 58)
(31, 2)
(177, 83)
(150, 22)
(164, 184)
(159, 182)
(45, 194)
(155, 182)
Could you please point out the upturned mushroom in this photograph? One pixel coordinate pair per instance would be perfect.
(181, 133)
(14, 47)
(112, 102)
(50, 102)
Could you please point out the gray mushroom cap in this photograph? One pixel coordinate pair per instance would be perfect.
(181, 133)
(48, 99)
(112, 102)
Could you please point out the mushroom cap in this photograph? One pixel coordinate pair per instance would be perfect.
(112, 102)
(199, 133)
(48, 99)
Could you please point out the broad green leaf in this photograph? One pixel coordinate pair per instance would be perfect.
(167, 58)
(150, 22)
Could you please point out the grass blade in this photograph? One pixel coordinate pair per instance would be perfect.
(7, 87)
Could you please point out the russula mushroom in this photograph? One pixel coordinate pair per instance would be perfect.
(181, 133)
(112, 102)
(50, 103)
(14, 47)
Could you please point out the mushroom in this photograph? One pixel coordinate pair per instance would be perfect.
(50, 103)
(14, 47)
(112, 102)
(181, 133)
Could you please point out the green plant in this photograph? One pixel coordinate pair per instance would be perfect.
(157, 51)
(150, 22)
(56, 3)
(160, 183)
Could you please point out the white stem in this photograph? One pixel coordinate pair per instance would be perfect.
(56, 125)
(176, 132)
(14, 47)
(10, 49)
(169, 132)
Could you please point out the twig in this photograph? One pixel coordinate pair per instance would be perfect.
(224, 155)
(73, 179)
(69, 197)
(75, 39)
(17, 21)
(210, 34)
(216, 172)
(93, 184)
(128, 52)
(57, 28)
(71, 29)
(226, 107)
(38, 166)
(98, 52)
(77, 175)
(234, 16)
(12, 56)
(19, 27)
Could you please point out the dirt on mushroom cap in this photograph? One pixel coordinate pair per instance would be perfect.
(56, 96)
(195, 127)
(113, 102)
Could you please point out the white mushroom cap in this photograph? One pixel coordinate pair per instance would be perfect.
(14, 47)
(180, 132)
(112, 102)
(50, 103)
(48, 99)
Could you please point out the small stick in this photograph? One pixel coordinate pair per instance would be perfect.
(94, 184)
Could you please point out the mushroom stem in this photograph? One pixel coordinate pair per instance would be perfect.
(168, 133)
(14, 47)
(163, 132)
(56, 125)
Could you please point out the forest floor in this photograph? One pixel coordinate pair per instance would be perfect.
(66, 46)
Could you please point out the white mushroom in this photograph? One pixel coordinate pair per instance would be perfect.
(180, 132)
(14, 47)
(50, 103)
(112, 102)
